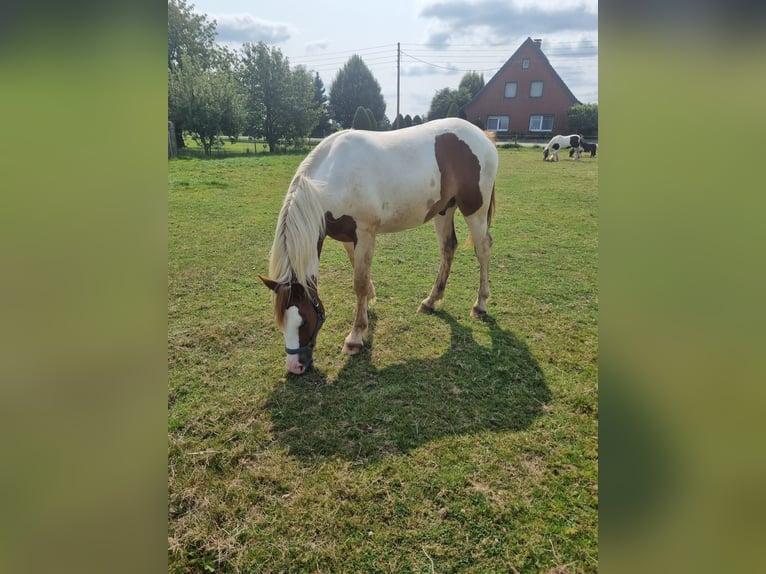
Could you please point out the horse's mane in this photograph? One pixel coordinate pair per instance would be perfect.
(294, 256)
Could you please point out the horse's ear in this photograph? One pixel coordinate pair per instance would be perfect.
(272, 285)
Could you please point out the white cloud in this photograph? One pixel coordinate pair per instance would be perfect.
(317, 46)
(425, 69)
(247, 28)
(494, 21)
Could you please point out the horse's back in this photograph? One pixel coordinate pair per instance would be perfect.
(395, 178)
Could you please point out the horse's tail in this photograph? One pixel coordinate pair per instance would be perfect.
(301, 223)
(491, 210)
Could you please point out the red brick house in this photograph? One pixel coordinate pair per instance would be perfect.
(526, 96)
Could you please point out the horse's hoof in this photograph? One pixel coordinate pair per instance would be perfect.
(425, 309)
(352, 348)
(477, 313)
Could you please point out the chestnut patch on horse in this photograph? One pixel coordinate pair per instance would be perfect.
(460, 171)
(341, 229)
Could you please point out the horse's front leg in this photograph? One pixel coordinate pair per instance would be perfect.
(371, 287)
(362, 258)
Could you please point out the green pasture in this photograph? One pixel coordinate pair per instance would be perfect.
(450, 444)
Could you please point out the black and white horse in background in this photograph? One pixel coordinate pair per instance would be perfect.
(562, 142)
(586, 147)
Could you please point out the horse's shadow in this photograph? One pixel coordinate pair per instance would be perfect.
(367, 413)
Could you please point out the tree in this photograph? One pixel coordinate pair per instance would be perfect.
(320, 102)
(280, 101)
(189, 34)
(453, 110)
(583, 119)
(209, 101)
(470, 85)
(355, 86)
(440, 103)
(192, 36)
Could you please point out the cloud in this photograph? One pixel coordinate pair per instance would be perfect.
(423, 69)
(247, 28)
(317, 46)
(496, 20)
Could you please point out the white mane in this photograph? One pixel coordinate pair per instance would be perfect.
(300, 224)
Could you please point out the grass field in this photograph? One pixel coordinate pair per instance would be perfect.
(448, 445)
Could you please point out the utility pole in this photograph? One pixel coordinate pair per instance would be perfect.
(398, 61)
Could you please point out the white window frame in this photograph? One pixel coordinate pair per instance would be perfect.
(525, 64)
(515, 86)
(501, 123)
(539, 123)
(532, 91)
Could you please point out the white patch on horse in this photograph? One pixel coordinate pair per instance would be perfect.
(293, 321)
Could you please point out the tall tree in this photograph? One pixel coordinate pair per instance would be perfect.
(355, 86)
(190, 36)
(280, 102)
(320, 103)
(471, 84)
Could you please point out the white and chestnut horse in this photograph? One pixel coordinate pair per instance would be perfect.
(356, 184)
(562, 142)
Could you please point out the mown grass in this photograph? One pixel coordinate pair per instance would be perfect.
(448, 445)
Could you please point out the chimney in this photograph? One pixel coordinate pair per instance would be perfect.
(538, 41)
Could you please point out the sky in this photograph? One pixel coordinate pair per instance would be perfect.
(440, 40)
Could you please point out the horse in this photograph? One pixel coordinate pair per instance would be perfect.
(563, 142)
(586, 147)
(356, 184)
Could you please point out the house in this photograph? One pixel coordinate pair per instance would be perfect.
(525, 97)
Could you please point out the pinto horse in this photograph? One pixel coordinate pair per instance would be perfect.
(563, 142)
(356, 184)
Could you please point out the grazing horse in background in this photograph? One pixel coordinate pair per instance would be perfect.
(356, 184)
(586, 147)
(562, 142)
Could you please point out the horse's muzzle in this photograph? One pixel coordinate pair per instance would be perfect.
(299, 363)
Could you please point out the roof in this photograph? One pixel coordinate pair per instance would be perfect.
(528, 43)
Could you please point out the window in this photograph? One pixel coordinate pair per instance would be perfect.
(536, 90)
(510, 90)
(497, 123)
(541, 123)
(525, 64)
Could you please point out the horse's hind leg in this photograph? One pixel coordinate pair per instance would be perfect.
(482, 245)
(445, 231)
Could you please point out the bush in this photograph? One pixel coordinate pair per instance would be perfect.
(583, 119)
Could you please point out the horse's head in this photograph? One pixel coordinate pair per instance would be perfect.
(300, 315)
